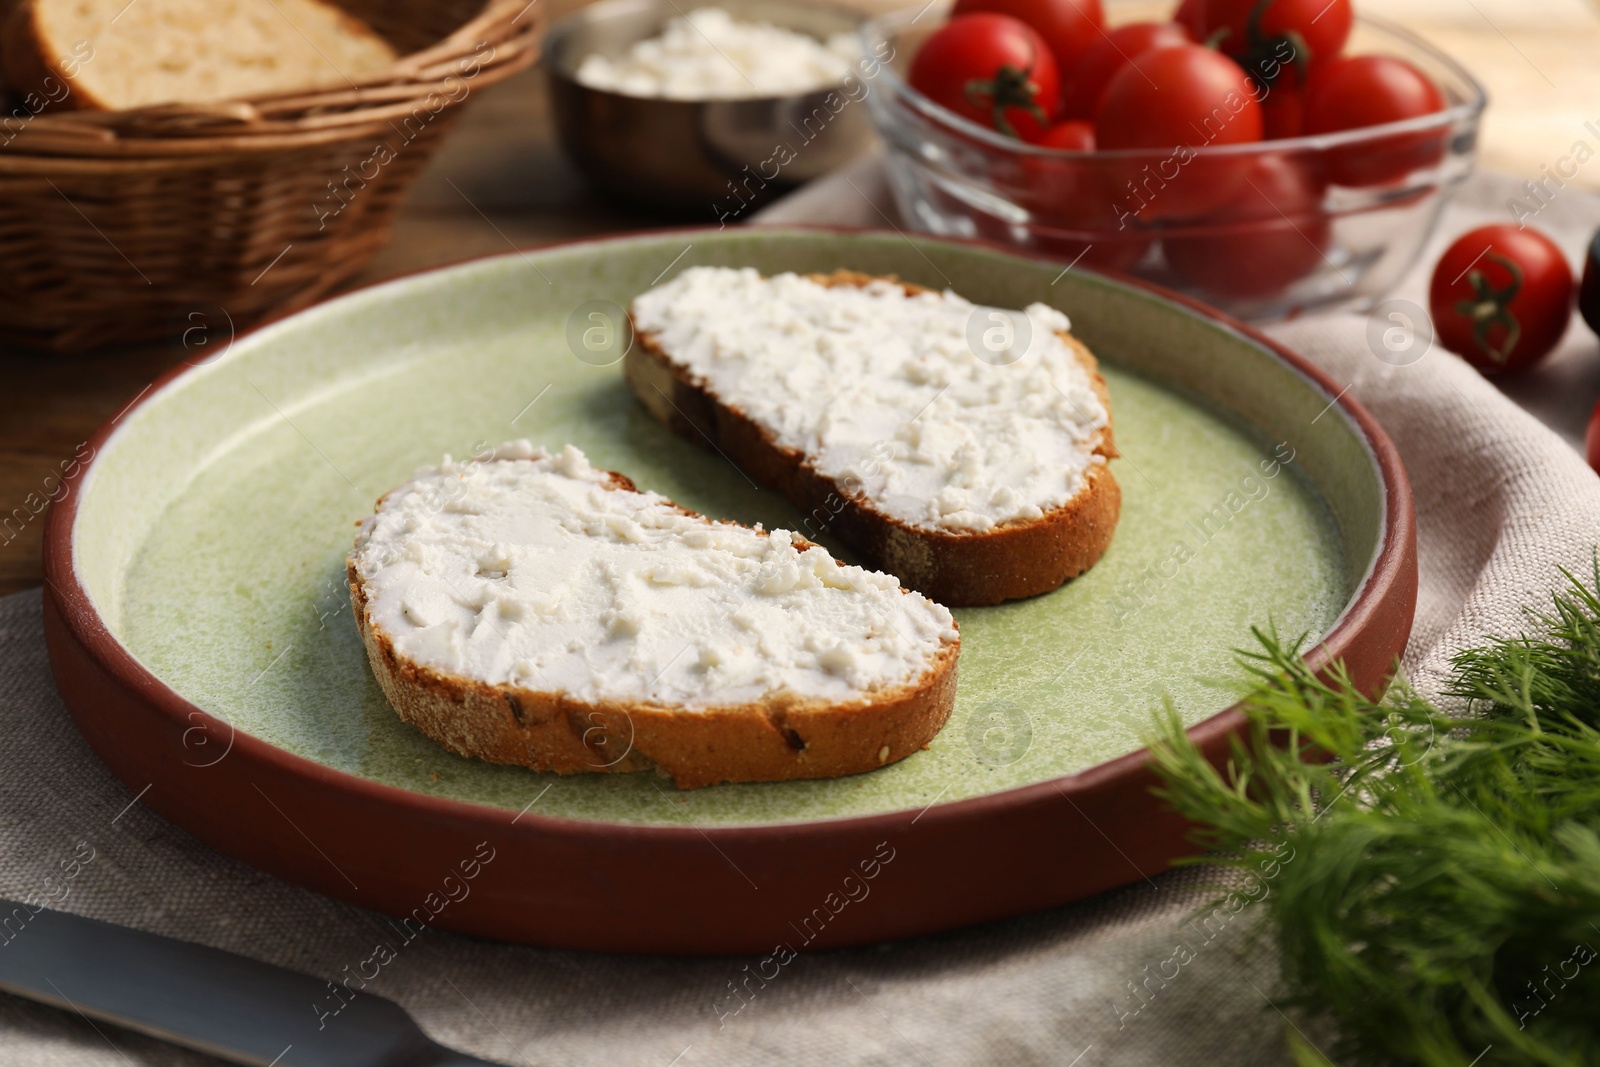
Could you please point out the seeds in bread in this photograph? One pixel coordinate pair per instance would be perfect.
(866, 402)
(527, 608)
(190, 51)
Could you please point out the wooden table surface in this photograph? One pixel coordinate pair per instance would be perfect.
(501, 182)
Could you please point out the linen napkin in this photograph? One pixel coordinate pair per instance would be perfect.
(1503, 503)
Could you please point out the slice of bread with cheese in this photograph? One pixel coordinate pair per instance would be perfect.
(115, 55)
(961, 448)
(528, 608)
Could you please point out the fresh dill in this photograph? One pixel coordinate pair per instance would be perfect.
(1443, 906)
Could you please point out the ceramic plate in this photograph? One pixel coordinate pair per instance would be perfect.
(201, 630)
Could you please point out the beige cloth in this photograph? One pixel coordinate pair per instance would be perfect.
(1502, 502)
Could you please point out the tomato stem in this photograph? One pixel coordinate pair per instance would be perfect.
(1490, 307)
(1260, 49)
(1010, 87)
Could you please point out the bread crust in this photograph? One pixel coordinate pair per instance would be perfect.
(29, 60)
(770, 741)
(960, 569)
(28, 65)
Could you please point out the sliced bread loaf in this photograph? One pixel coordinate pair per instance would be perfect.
(527, 608)
(126, 55)
(961, 448)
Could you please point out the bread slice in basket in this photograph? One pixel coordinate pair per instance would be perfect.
(528, 608)
(112, 54)
(959, 447)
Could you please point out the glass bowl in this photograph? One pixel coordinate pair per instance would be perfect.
(1264, 230)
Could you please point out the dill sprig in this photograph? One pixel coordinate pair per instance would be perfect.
(1441, 903)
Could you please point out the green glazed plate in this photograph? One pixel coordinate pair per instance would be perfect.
(211, 532)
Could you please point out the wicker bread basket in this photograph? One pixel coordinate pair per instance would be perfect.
(119, 226)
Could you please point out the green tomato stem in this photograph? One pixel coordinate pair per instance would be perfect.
(1490, 307)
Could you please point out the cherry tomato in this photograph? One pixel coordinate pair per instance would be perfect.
(1272, 233)
(1076, 135)
(1114, 50)
(1099, 251)
(1352, 92)
(1501, 297)
(1067, 237)
(1283, 113)
(991, 69)
(1065, 191)
(1181, 99)
(1589, 288)
(1191, 15)
(1069, 27)
(1591, 439)
(1181, 94)
(1279, 41)
(1070, 202)
(1070, 205)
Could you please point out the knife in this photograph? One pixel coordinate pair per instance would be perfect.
(228, 1005)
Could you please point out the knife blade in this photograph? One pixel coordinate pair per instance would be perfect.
(203, 998)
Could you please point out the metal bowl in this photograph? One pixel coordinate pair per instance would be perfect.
(713, 160)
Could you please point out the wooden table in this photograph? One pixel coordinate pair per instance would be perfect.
(501, 182)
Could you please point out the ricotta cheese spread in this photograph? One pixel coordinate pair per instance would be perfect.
(528, 569)
(710, 55)
(943, 414)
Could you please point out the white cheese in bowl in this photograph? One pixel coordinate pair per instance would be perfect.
(535, 570)
(710, 55)
(900, 399)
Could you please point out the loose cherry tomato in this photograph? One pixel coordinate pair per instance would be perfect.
(1116, 48)
(992, 69)
(1191, 15)
(1279, 41)
(1501, 297)
(1069, 27)
(1589, 287)
(1353, 92)
(1272, 233)
(1181, 98)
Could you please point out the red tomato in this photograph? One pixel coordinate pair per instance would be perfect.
(1179, 95)
(1101, 252)
(991, 69)
(1069, 27)
(1180, 99)
(1279, 41)
(1501, 297)
(1591, 439)
(1353, 92)
(1071, 204)
(1272, 233)
(1065, 192)
(1077, 136)
(1114, 50)
(1191, 15)
(1589, 287)
(1283, 113)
